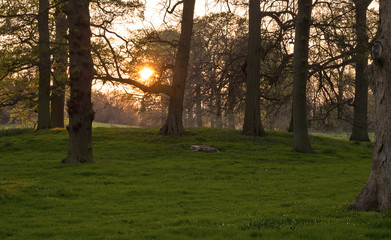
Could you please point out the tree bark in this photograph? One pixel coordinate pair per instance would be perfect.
(231, 105)
(81, 71)
(60, 74)
(290, 128)
(376, 194)
(301, 142)
(198, 105)
(44, 66)
(174, 121)
(360, 122)
(252, 119)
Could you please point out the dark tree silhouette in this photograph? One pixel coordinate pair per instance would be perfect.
(174, 124)
(252, 119)
(81, 74)
(360, 119)
(301, 141)
(44, 66)
(60, 75)
(376, 194)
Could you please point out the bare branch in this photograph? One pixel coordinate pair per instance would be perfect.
(173, 7)
(154, 88)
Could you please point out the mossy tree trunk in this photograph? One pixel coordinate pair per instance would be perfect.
(81, 75)
(252, 119)
(360, 119)
(174, 121)
(301, 142)
(44, 66)
(376, 194)
(60, 56)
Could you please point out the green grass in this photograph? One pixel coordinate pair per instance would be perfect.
(342, 136)
(31, 125)
(147, 186)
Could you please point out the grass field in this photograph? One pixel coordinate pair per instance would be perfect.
(147, 186)
(31, 126)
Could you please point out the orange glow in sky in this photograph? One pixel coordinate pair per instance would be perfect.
(146, 73)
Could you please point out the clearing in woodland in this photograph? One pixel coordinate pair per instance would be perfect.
(147, 186)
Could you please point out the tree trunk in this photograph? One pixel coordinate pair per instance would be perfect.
(360, 122)
(340, 93)
(44, 66)
(174, 124)
(219, 114)
(252, 119)
(301, 142)
(81, 74)
(376, 194)
(290, 128)
(59, 71)
(198, 106)
(231, 105)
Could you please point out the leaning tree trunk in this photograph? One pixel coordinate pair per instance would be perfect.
(174, 121)
(60, 74)
(44, 66)
(376, 194)
(81, 74)
(252, 119)
(360, 119)
(301, 142)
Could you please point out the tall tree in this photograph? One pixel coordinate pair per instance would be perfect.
(360, 122)
(44, 66)
(376, 194)
(301, 142)
(174, 124)
(252, 120)
(81, 72)
(60, 56)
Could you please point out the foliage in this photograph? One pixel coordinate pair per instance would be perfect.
(148, 186)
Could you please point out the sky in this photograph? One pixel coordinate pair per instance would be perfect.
(154, 10)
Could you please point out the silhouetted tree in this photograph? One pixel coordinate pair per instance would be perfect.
(301, 141)
(81, 71)
(376, 194)
(60, 65)
(174, 124)
(360, 119)
(44, 66)
(252, 120)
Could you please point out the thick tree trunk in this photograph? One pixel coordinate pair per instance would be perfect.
(81, 75)
(376, 194)
(252, 119)
(301, 142)
(174, 122)
(360, 122)
(60, 54)
(44, 66)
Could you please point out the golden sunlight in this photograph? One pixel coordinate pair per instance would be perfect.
(146, 73)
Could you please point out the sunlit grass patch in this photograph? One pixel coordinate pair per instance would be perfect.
(9, 188)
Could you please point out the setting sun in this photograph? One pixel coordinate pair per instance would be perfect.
(146, 73)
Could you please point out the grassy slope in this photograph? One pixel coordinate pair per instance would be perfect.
(147, 186)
